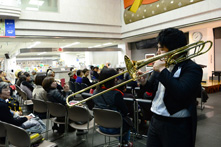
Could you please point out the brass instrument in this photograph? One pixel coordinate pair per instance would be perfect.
(133, 66)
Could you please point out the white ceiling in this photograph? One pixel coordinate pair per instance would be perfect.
(11, 45)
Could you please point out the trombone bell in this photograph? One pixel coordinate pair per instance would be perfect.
(131, 67)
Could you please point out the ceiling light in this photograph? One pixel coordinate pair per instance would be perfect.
(36, 2)
(42, 53)
(36, 43)
(75, 43)
(97, 45)
(109, 43)
(31, 9)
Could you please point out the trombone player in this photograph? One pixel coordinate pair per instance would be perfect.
(174, 118)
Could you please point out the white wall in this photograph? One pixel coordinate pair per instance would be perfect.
(207, 58)
(69, 59)
(76, 18)
(105, 56)
(218, 55)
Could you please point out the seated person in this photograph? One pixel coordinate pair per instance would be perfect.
(39, 92)
(6, 114)
(18, 73)
(33, 75)
(71, 75)
(133, 84)
(112, 100)
(147, 94)
(66, 90)
(51, 73)
(95, 76)
(3, 77)
(79, 76)
(123, 89)
(26, 85)
(53, 94)
(120, 70)
(85, 77)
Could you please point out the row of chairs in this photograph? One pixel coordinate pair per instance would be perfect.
(75, 86)
(133, 105)
(23, 97)
(79, 114)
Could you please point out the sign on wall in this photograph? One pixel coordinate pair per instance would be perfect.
(7, 28)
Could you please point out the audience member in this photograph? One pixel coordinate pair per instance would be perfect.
(33, 75)
(95, 76)
(6, 114)
(112, 100)
(79, 76)
(85, 77)
(53, 94)
(39, 92)
(71, 75)
(26, 86)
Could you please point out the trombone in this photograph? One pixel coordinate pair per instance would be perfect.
(170, 57)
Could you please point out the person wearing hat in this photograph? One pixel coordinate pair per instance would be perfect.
(71, 75)
(33, 75)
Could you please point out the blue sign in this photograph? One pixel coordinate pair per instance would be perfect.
(9, 27)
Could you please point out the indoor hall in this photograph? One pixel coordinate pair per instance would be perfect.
(60, 38)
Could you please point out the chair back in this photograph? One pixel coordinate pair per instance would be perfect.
(17, 88)
(90, 103)
(23, 95)
(2, 129)
(39, 106)
(77, 86)
(17, 136)
(78, 114)
(84, 85)
(107, 118)
(2, 134)
(56, 109)
(27, 91)
(71, 86)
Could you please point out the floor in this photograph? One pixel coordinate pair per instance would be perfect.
(208, 132)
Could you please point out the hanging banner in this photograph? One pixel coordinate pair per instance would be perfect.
(9, 27)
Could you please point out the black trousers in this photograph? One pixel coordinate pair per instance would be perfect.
(169, 132)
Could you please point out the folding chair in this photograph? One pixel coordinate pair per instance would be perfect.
(2, 134)
(18, 137)
(71, 86)
(57, 110)
(83, 85)
(108, 119)
(81, 118)
(40, 106)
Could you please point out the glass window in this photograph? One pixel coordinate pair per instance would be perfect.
(14, 3)
(40, 5)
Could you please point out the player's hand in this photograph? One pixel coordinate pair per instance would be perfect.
(159, 65)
